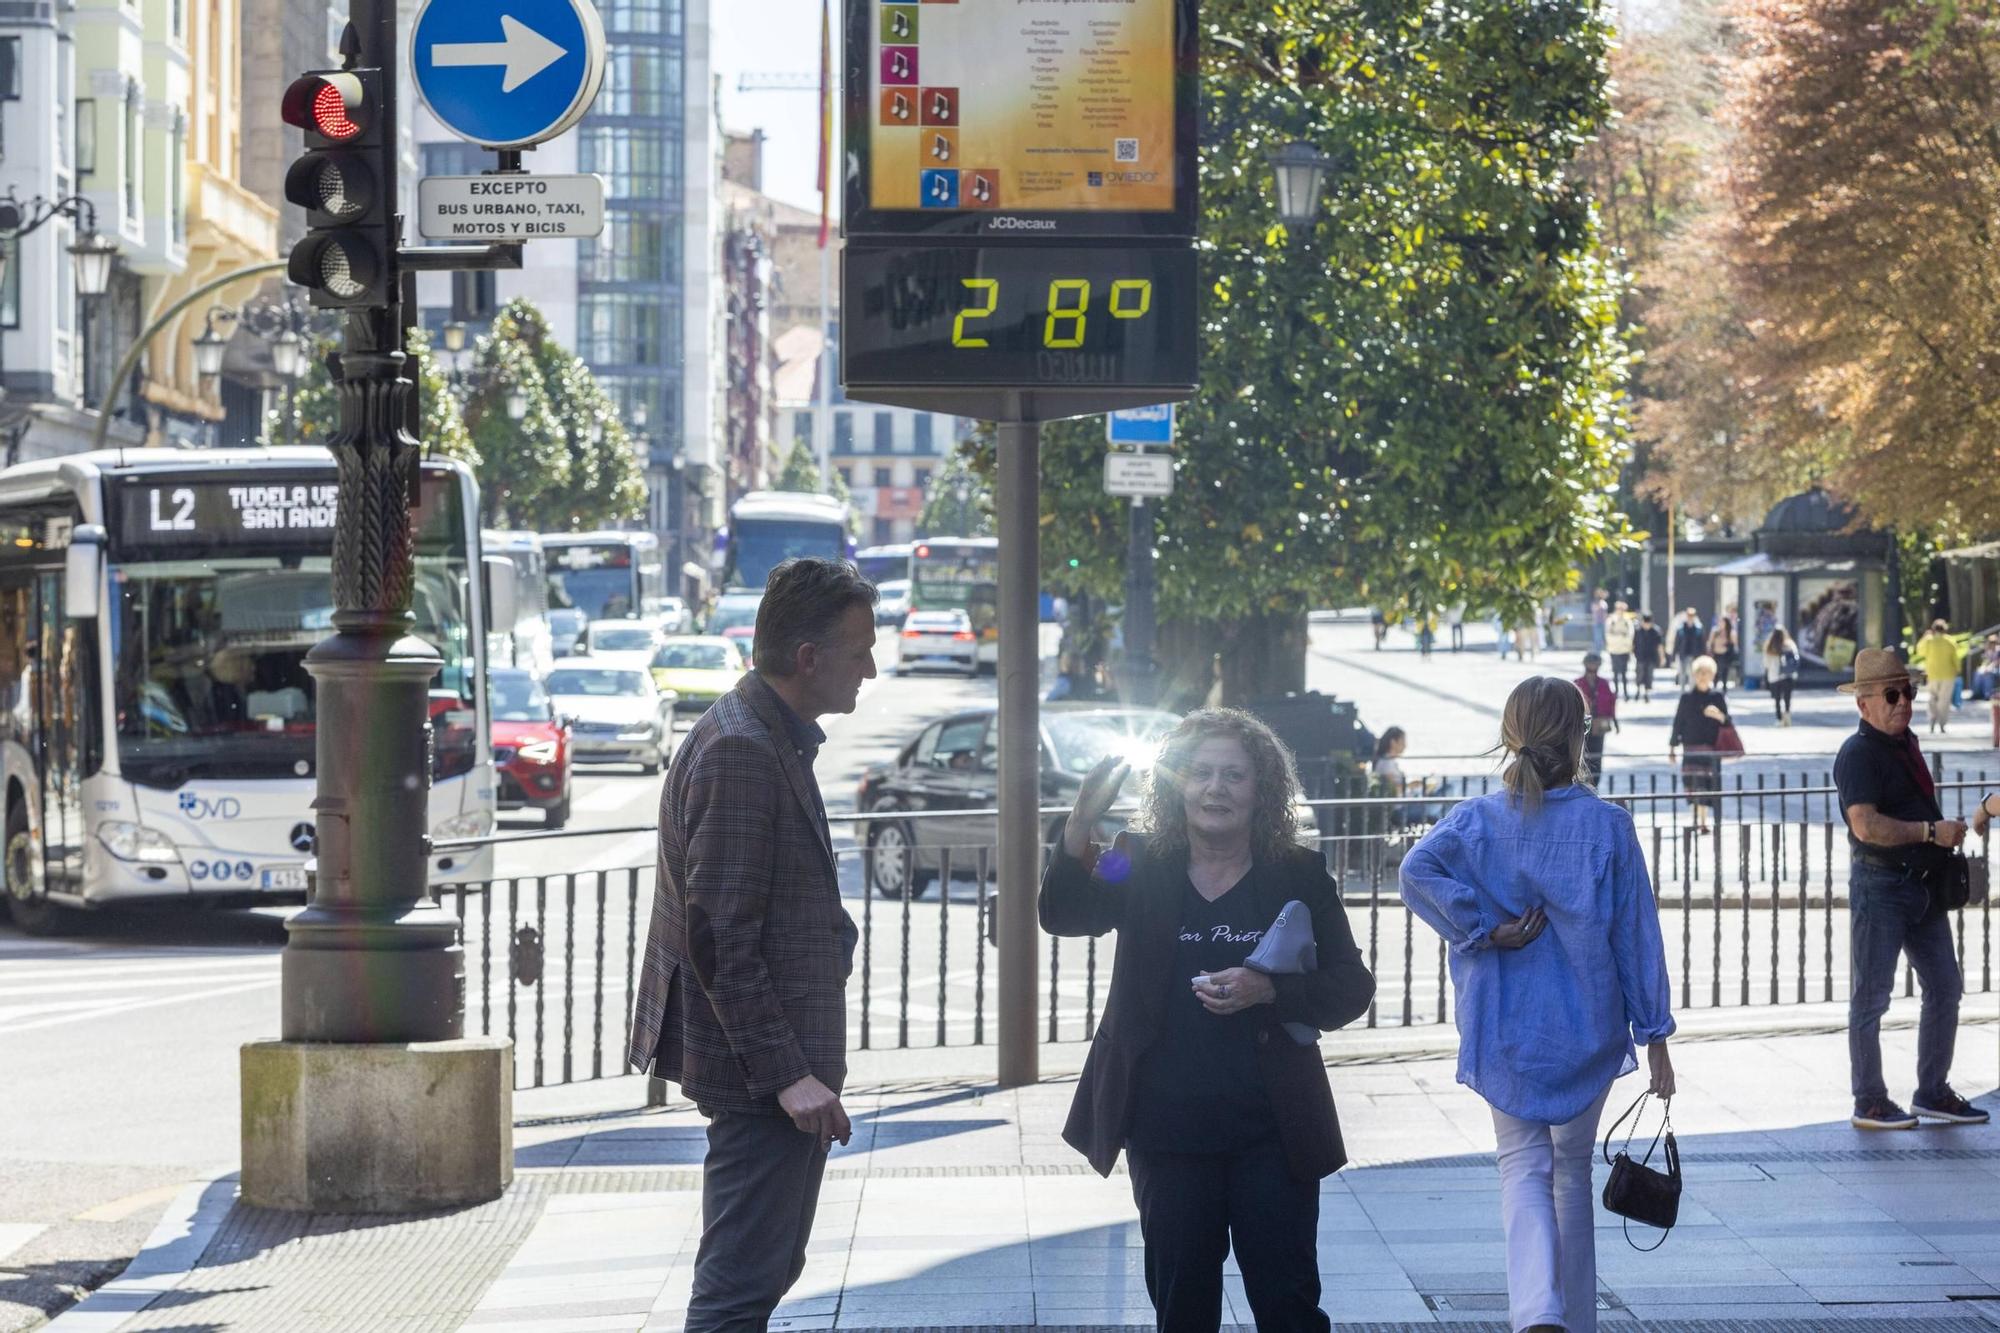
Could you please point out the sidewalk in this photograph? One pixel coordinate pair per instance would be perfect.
(957, 1206)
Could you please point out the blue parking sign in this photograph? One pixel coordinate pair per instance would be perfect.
(507, 74)
(1140, 425)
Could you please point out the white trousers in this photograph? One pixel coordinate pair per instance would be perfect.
(1546, 1212)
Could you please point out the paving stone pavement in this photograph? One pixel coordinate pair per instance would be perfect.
(957, 1207)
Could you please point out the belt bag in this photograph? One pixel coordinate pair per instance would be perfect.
(1958, 880)
(1636, 1191)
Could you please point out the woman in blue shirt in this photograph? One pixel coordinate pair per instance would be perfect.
(1543, 896)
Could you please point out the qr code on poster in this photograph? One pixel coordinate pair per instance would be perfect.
(1125, 150)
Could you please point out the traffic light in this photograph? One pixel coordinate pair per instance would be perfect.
(344, 260)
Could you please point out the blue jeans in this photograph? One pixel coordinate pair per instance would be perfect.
(1891, 914)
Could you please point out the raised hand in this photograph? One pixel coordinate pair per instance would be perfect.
(1093, 800)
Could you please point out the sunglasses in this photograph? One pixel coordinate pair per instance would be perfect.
(1896, 694)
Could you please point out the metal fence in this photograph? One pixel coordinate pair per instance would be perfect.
(1752, 909)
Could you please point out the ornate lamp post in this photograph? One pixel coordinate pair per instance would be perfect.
(91, 254)
(1301, 172)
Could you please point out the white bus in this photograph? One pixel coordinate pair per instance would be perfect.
(529, 644)
(767, 528)
(156, 716)
(602, 576)
(884, 564)
(961, 574)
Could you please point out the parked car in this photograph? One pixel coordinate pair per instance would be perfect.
(894, 602)
(953, 765)
(938, 638)
(674, 617)
(735, 617)
(531, 745)
(621, 643)
(698, 669)
(617, 715)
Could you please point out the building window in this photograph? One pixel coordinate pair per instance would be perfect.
(626, 328)
(637, 162)
(846, 476)
(10, 68)
(802, 428)
(179, 20)
(635, 247)
(641, 16)
(923, 433)
(922, 479)
(843, 432)
(132, 133)
(454, 159)
(885, 432)
(884, 477)
(885, 530)
(475, 298)
(86, 136)
(177, 180)
(640, 81)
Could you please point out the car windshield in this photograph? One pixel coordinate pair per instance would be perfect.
(1081, 739)
(622, 640)
(728, 616)
(599, 681)
(519, 697)
(695, 657)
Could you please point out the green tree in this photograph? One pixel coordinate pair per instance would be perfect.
(316, 411)
(1418, 401)
(960, 502)
(525, 464)
(801, 474)
(604, 480)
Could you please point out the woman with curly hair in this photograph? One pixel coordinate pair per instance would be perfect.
(1546, 1024)
(1226, 1118)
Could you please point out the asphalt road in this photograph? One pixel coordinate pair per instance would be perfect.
(118, 1047)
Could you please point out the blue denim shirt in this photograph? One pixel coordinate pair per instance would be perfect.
(1544, 1029)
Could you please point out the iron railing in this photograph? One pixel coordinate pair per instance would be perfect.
(1752, 910)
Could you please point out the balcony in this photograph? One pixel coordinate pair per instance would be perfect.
(237, 222)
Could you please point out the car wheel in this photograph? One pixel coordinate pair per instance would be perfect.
(893, 855)
(651, 768)
(559, 814)
(35, 915)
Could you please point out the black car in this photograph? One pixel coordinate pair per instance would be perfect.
(953, 766)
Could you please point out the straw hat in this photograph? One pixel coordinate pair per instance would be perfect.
(1878, 666)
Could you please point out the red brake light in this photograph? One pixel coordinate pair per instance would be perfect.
(962, 635)
(913, 634)
(329, 113)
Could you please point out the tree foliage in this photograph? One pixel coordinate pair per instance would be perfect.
(1852, 258)
(315, 410)
(602, 479)
(1417, 400)
(801, 473)
(960, 503)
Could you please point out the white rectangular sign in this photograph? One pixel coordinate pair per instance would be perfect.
(1145, 476)
(509, 206)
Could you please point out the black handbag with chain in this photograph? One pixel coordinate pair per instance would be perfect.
(1637, 1192)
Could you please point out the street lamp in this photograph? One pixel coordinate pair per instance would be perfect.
(517, 405)
(210, 346)
(1301, 171)
(454, 337)
(93, 254)
(288, 355)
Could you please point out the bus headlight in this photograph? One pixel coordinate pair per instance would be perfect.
(136, 842)
(477, 824)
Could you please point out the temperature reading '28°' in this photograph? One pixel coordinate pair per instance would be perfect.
(1067, 321)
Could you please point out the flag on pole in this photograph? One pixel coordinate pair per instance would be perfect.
(825, 119)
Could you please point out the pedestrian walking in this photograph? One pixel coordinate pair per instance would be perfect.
(742, 999)
(1546, 1025)
(1699, 718)
(1689, 643)
(1454, 620)
(1939, 657)
(1722, 647)
(1900, 845)
(1226, 1119)
(1527, 637)
(1649, 654)
(1600, 612)
(1379, 620)
(1602, 703)
(1781, 672)
(1502, 636)
(1621, 629)
(1986, 674)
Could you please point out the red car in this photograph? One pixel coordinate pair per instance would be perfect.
(531, 749)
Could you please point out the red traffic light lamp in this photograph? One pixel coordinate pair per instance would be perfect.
(343, 260)
(331, 105)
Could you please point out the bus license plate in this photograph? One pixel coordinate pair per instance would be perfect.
(285, 877)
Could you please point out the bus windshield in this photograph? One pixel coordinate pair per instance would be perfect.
(759, 545)
(880, 564)
(959, 575)
(594, 580)
(210, 645)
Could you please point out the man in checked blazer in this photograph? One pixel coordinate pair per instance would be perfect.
(743, 997)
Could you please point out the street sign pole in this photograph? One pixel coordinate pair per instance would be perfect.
(1140, 671)
(1017, 498)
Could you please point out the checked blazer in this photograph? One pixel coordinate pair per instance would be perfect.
(743, 992)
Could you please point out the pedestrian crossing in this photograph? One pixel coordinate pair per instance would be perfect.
(53, 983)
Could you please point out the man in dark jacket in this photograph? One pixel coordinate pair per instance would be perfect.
(743, 996)
(1648, 654)
(1690, 642)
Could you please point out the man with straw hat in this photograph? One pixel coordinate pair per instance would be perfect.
(1901, 845)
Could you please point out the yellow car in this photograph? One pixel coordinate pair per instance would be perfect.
(698, 668)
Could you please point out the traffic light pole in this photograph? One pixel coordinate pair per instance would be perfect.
(1017, 501)
(1138, 668)
(373, 1100)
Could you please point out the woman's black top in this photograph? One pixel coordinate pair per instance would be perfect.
(1197, 1088)
(1692, 727)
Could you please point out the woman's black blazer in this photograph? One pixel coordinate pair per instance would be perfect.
(1145, 911)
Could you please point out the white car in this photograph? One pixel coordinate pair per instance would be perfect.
(622, 643)
(617, 715)
(894, 603)
(938, 638)
(674, 617)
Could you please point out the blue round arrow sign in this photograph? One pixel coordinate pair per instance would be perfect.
(507, 74)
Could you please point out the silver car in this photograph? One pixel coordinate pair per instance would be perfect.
(617, 715)
(938, 638)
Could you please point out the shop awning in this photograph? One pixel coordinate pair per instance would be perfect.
(1761, 563)
(1983, 551)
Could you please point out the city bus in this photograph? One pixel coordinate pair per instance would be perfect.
(529, 643)
(601, 576)
(961, 574)
(156, 715)
(767, 528)
(882, 564)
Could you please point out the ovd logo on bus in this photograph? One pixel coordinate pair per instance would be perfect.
(196, 806)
